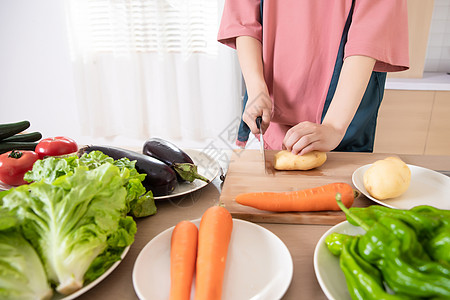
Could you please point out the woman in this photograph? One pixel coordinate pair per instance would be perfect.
(315, 70)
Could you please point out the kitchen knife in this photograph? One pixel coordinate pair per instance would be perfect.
(261, 140)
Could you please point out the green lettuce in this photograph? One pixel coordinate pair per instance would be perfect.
(22, 275)
(77, 223)
(140, 203)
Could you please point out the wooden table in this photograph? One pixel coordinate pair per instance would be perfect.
(300, 239)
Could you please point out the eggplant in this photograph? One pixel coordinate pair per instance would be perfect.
(173, 157)
(165, 151)
(160, 179)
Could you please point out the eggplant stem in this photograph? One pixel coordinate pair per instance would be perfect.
(188, 172)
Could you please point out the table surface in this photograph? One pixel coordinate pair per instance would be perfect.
(301, 239)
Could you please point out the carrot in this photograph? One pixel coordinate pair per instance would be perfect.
(320, 198)
(214, 237)
(183, 254)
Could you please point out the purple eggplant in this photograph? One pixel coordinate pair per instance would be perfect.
(173, 157)
(160, 179)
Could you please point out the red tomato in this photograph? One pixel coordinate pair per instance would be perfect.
(56, 146)
(14, 164)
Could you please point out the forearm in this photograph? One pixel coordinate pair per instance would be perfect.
(353, 80)
(249, 52)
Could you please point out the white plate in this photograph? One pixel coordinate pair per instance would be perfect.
(206, 166)
(93, 283)
(326, 266)
(427, 187)
(259, 265)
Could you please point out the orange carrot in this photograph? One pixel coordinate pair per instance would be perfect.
(214, 237)
(183, 254)
(320, 198)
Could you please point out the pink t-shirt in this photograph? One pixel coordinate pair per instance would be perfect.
(300, 43)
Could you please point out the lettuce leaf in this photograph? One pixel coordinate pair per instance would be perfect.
(140, 203)
(118, 240)
(22, 274)
(72, 221)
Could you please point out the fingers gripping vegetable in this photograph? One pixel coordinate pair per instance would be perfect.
(174, 157)
(320, 198)
(14, 165)
(56, 146)
(183, 255)
(214, 237)
(160, 179)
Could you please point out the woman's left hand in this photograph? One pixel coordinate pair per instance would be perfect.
(307, 136)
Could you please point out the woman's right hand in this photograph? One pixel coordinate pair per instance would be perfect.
(258, 106)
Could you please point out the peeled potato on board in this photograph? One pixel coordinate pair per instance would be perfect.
(387, 178)
(286, 160)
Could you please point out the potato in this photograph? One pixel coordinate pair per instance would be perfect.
(387, 178)
(286, 160)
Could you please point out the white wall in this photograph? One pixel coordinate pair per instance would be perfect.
(438, 51)
(35, 71)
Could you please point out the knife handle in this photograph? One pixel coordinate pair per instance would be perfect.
(258, 122)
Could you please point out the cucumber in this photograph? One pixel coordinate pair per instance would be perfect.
(10, 129)
(25, 137)
(9, 146)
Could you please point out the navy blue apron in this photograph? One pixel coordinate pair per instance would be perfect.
(360, 134)
(244, 130)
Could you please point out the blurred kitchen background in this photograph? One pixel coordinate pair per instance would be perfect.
(118, 72)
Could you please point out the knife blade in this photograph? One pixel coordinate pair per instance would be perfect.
(261, 140)
(445, 172)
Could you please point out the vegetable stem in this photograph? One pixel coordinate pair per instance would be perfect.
(188, 172)
(15, 154)
(359, 221)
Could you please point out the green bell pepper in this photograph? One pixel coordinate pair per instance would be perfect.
(423, 224)
(364, 281)
(438, 247)
(335, 242)
(393, 246)
(432, 226)
(403, 277)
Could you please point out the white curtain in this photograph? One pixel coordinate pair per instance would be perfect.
(148, 68)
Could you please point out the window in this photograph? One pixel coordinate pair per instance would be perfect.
(132, 26)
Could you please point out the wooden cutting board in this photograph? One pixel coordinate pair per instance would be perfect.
(246, 173)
